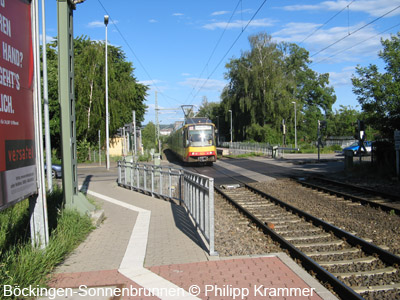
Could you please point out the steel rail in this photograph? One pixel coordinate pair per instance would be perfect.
(353, 240)
(354, 198)
(340, 288)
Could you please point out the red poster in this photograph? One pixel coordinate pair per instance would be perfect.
(17, 151)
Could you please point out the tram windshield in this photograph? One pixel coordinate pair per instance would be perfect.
(201, 135)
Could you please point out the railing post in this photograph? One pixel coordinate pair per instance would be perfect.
(145, 178)
(170, 182)
(132, 176)
(152, 180)
(211, 215)
(137, 176)
(161, 180)
(181, 183)
(119, 172)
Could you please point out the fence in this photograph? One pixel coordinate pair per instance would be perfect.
(195, 191)
(239, 147)
(236, 148)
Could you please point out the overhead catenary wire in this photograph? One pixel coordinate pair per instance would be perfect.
(134, 54)
(230, 48)
(213, 51)
(330, 19)
(355, 31)
(355, 45)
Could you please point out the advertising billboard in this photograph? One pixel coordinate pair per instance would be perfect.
(17, 132)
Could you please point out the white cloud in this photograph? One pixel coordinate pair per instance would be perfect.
(149, 82)
(153, 21)
(341, 78)
(372, 7)
(219, 13)
(204, 84)
(96, 24)
(350, 47)
(185, 74)
(240, 24)
(49, 39)
(177, 14)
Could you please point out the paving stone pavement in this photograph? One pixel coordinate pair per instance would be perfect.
(174, 256)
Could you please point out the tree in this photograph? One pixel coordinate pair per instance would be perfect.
(379, 93)
(265, 81)
(343, 121)
(149, 136)
(125, 93)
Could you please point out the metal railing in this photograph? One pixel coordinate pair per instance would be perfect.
(237, 148)
(195, 191)
(243, 147)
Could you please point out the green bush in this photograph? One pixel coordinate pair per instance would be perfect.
(82, 150)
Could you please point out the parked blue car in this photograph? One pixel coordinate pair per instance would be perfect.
(354, 147)
(56, 170)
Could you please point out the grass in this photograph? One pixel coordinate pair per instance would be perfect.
(23, 265)
(244, 155)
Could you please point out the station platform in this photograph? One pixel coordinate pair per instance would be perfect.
(148, 248)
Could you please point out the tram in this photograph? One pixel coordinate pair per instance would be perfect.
(194, 141)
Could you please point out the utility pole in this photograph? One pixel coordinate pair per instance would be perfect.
(157, 123)
(99, 148)
(231, 127)
(72, 197)
(295, 125)
(106, 83)
(134, 131)
(38, 205)
(46, 104)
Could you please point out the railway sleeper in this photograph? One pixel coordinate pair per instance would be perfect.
(283, 225)
(321, 244)
(388, 270)
(334, 252)
(377, 288)
(258, 204)
(278, 221)
(276, 215)
(254, 203)
(307, 237)
(368, 259)
(312, 229)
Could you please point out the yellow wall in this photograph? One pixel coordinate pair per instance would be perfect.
(116, 146)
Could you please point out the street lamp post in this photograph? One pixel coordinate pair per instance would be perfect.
(295, 125)
(231, 126)
(106, 67)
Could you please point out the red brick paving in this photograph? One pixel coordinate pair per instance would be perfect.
(96, 279)
(246, 274)
(231, 276)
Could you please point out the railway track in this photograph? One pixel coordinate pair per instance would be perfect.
(386, 202)
(352, 266)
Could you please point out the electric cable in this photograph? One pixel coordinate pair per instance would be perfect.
(359, 43)
(330, 19)
(355, 31)
(230, 48)
(213, 51)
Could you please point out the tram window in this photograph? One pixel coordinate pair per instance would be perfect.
(198, 138)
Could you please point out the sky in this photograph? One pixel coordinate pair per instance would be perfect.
(180, 48)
